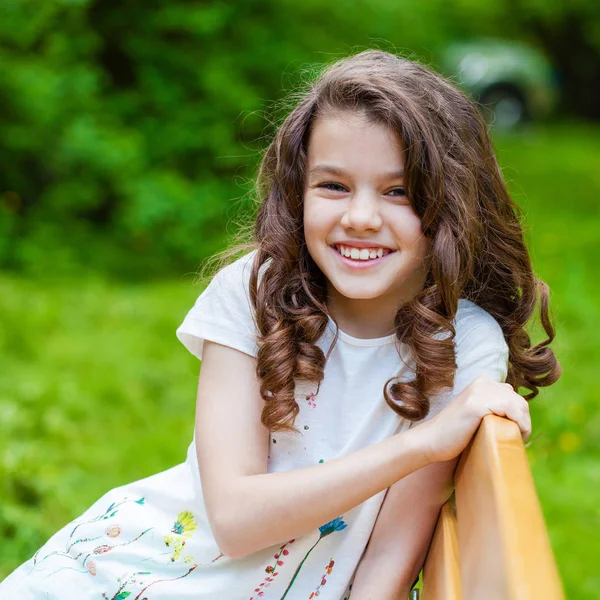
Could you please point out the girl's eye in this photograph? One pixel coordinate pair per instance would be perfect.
(329, 186)
(336, 187)
(399, 190)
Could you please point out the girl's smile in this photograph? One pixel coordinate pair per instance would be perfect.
(358, 262)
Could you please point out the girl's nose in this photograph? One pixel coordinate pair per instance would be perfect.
(361, 212)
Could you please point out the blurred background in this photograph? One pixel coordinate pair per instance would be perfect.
(130, 133)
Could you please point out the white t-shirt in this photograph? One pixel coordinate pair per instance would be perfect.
(151, 538)
(348, 413)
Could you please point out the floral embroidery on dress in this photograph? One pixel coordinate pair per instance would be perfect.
(121, 594)
(184, 527)
(87, 564)
(336, 525)
(182, 530)
(328, 570)
(310, 399)
(271, 571)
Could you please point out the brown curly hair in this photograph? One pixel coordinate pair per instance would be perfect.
(455, 185)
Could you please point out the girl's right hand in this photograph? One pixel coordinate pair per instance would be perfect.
(448, 433)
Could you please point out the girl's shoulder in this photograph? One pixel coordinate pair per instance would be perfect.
(223, 311)
(475, 324)
(236, 273)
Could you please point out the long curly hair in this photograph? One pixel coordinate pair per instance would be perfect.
(455, 185)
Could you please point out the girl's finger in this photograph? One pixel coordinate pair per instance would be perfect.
(514, 409)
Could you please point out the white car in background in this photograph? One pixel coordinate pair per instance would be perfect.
(512, 81)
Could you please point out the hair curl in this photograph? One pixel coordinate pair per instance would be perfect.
(455, 185)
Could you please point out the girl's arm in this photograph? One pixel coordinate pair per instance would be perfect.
(249, 509)
(402, 534)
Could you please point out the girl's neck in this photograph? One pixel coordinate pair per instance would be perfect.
(370, 318)
(363, 318)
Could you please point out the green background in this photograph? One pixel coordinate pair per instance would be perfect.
(130, 135)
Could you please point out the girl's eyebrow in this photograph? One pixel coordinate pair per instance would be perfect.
(340, 172)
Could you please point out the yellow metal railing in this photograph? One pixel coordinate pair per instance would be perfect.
(491, 542)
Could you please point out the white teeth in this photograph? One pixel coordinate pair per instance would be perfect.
(362, 254)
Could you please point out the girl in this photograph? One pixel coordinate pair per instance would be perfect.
(347, 360)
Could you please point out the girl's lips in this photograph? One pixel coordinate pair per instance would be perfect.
(362, 264)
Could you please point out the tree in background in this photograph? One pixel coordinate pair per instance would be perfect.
(130, 130)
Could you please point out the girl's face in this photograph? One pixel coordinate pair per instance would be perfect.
(354, 200)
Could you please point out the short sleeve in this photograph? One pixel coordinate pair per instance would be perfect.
(223, 312)
(481, 351)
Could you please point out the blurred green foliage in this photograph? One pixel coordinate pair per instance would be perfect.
(131, 130)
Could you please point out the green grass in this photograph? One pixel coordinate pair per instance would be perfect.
(96, 391)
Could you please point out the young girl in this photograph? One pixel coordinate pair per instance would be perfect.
(347, 360)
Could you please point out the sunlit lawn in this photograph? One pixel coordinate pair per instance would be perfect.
(96, 391)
